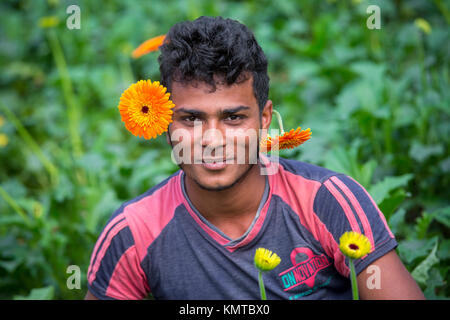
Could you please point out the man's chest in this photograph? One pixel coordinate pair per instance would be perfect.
(186, 263)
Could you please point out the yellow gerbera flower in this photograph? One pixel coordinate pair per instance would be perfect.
(266, 260)
(146, 109)
(354, 245)
(3, 140)
(48, 22)
(423, 25)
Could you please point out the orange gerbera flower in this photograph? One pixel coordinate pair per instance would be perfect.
(148, 46)
(146, 109)
(288, 140)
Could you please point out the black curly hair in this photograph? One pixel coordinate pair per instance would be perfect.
(215, 51)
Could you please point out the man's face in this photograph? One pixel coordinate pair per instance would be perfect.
(216, 133)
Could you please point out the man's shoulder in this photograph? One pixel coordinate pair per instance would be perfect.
(157, 194)
(307, 170)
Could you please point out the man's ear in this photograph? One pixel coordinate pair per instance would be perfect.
(168, 138)
(266, 115)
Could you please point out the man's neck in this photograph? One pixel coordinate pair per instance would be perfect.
(231, 210)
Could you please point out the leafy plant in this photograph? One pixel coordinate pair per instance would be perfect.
(377, 102)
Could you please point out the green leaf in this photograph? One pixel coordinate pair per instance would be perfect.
(92, 162)
(380, 190)
(420, 152)
(11, 265)
(443, 216)
(391, 203)
(45, 293)
(12, 220)
(347, 101)
(64, 190)
(396, 220)
(434, 281)
(107, 203)
(444, 249)
(422, 224)
(411, 250)
(346, 161)
(339, 160)
(420, 273)
(367, 170)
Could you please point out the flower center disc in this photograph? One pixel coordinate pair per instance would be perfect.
(353, 246)
(144, 109)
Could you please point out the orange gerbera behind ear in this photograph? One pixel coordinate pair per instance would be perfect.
(288, 140)
(148, 46)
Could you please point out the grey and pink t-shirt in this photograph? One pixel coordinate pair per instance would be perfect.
(159, 243)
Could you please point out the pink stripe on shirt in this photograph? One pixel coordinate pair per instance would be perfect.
(299, 193)
(150, 215)
(114, 231)
(102, 236)
(359, 211)
(378, 209)
(128, 281)
(347, 210)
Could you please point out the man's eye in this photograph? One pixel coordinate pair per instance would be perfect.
(189, 118)
(234, 117)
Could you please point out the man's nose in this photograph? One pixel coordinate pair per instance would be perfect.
(212, 136)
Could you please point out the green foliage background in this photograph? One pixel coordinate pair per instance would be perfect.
(377, 102)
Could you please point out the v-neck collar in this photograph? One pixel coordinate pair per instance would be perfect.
(216, 233)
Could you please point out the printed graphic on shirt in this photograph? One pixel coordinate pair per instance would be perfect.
(305, 267)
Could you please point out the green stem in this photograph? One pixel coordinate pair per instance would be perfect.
(10, 200)
(374, 142)
(280, 121)
(72, 105)
(262, 290)
(353, 280)
(443, 10)
(32, 144)
(388, 135)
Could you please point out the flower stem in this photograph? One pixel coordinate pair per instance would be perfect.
(353, 280)
(73, 108)
(32, 144)
(280, 121)
(262, 290)
(10, 200)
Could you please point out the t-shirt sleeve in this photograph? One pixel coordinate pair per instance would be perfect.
(342, 204)
(115, 272)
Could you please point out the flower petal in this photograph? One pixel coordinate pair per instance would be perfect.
(354, 245)
(147, 46)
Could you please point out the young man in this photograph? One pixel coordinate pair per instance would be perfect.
(194, 235)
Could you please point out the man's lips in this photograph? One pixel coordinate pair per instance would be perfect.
(215, 160)
(215, 164)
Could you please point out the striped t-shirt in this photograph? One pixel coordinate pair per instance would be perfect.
(159, 243)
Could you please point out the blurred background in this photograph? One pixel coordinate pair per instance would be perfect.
(377, 102)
